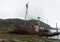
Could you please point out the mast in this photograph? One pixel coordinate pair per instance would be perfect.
(39, 23)
(26, 11)
(26, 16)
(57, 31)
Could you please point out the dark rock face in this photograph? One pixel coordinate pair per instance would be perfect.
(18, 25)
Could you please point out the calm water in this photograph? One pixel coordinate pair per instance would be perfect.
(57, 36)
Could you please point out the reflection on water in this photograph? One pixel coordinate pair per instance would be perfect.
(55, 37)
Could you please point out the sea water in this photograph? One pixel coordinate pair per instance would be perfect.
(57, 36)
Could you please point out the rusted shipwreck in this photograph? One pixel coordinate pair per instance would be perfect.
(30, 28)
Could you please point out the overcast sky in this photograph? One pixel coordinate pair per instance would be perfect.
(48, 10)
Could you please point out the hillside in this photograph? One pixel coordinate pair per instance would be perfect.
(5, 23)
